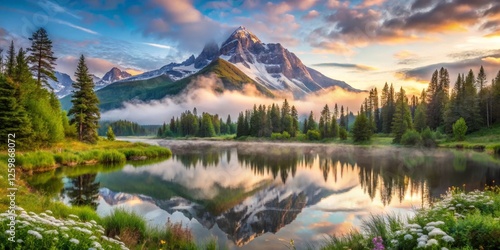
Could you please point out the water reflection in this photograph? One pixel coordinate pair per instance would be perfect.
(258, 194)
(83, 191)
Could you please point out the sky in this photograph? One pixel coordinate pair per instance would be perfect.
(362, 42)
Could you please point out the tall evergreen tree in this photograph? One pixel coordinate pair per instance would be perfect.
(10, 64)
(420, 119)
(207, 127)
(311, 124)
(13, 117)
(41, 58)
(295, 121)
(21, 72)
(388, 108)
(324, 122)
(362, 130)
(483, 96)
(285, 110)
(85, 112)
(402, 117)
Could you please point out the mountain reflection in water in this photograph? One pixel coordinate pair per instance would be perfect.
(251, 195)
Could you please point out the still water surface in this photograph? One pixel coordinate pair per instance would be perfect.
(262, 195)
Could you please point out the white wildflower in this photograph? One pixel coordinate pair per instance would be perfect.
(408, 237)
(64, 228)
(394, 242)
(74, 216)
(421, 244)
(73, 240)
(451, 208)
(20, 241)
(96, 244)
(48, 211)
(51, 232)
(448, 238)
(35, 233)
(436, 232)
(93, 237)
(432, 242)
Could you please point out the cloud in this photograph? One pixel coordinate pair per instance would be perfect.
(200, 94)
(359, 67)
(159, 45)
(75, 26)
(406, 57)
(51, 7)
(491, 64)
(311, 15)
(104, 4)
(391, 22)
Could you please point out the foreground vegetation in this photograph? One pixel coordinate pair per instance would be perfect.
(71, 153)
(460, 220)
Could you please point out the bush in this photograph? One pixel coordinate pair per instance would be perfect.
(280, 136)
(112, 156)
(110, 134)
(343, 133)
(411, 138)
(459, 129)
(313, 135)
(428, 138)
(496, 149)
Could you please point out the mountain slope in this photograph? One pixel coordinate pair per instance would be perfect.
(113, 95)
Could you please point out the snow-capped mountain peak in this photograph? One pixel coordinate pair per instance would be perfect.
(115, 74)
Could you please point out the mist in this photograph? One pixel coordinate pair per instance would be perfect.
(200, 94)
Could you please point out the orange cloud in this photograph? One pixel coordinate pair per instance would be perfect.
(493, 60)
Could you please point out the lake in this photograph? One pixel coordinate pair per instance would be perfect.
(262, 195)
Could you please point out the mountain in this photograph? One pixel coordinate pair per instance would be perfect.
(63, 85)
(242, 59)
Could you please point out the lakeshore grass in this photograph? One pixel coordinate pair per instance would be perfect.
(71, 153)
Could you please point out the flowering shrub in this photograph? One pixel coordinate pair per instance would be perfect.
(459, 220)
(43, 231)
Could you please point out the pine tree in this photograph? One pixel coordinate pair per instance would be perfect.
(110, 134)
(207, 127)
(361, 131)
(1, 62)
(388, 108)
(13, 117)
(240, 126)
(21, 72)
(229, 125)
(11, 61)
(311, 124)
(42, 58)
(295, 122)
(420, 119)
(324, 122)
(285, 110)
(402, 117)
(275, 118)
(85, 112)
(483, 96)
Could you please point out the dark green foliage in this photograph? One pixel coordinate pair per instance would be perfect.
(110, 134)
(437, 98)
(10, 63)
(463, 103)
(13, 117)
(313, 135)
(311, 123)
(411, 138)
(295, 122)
(428, 138)
(41, 57)
(420, 118)
(402, 117)
(343, 134)
(460, 129)
(123, 128)
(362, 130)
(112, 156)
(325, 123)
(388, 108)
(207, 128)
(85, 112)
(280, 136)
(122, 222)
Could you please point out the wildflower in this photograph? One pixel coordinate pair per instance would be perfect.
(96, 244)
(73, 240)
(378, 243)
(20, 241)
(436, 232)
(51, 232)
(35, 233)
(444, 248)
(432, 242)
(162, 242)
(451, 208)
(421, 244)
(64, 228)
(48, 211)
(448, 238)
(93, 237)
(408, 237)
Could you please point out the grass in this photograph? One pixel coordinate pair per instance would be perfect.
(485, 139)
(72, 153)
(459, 220)
(130, 227)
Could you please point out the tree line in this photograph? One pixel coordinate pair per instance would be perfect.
(194, 125)
(29, 108)
(436, 109)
